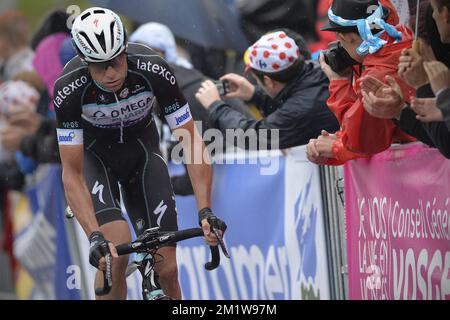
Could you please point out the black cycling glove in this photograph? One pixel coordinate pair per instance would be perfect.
(98, 248)
(206, 213)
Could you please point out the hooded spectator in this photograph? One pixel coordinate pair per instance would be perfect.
(46, 60)
(66, 52)
(367, 34)
(159, 37)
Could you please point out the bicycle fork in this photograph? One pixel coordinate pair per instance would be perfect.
(151, 288)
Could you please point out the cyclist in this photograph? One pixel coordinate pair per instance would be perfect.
(108, 139)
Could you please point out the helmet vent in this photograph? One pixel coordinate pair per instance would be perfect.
(84, 16)
(101, 39)
(99, 11)
(83, 34)
(111, 27)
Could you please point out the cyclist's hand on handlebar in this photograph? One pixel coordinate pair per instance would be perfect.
(206, 214)
(210, 237)
(98, 249)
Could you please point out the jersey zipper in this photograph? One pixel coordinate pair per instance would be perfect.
(121, 120)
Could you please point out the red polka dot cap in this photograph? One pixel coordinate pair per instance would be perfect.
(272, 53)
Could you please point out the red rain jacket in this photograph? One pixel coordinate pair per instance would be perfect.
(361, 134)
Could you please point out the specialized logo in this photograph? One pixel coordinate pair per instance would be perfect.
(148, 269)
(96, 23)
(156, 69)
(98, 188)
(159, 211)
(119, 30)
(140, 224)
(83, 45)
(62, 94)
(102, 97)
(179, 117)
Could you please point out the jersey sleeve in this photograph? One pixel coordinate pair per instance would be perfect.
(173, 105)
(67, 101)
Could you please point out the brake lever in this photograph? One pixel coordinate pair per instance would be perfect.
(213, 224)
(107, 278)
(221, 243)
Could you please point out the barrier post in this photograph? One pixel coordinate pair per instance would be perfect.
(334, 218)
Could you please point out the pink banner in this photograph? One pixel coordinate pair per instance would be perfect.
(398, 224)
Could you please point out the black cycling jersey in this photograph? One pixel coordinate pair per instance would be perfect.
(81, 103)
(120, 139)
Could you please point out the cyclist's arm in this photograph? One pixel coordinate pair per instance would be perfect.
(198, 162)
(77, 193)
(68, 99)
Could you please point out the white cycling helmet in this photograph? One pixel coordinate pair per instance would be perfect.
(98, 35)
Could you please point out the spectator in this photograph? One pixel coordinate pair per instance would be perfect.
(66, 52)
(376, 52)
(30, 133)
(13, 96)
(295, 95)
(54, 22)
(388, 102)
(17, 97)
(160, 38)
(46, 61)
(15, 55)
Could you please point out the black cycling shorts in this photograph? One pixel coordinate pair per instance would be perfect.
(143, 175)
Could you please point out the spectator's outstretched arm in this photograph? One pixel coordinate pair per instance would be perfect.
(328, 149)
(242, 89)
(223, 117)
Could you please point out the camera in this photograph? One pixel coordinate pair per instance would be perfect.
(222, 86)
(337, 57)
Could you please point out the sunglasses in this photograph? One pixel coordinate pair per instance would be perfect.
(103, 66)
